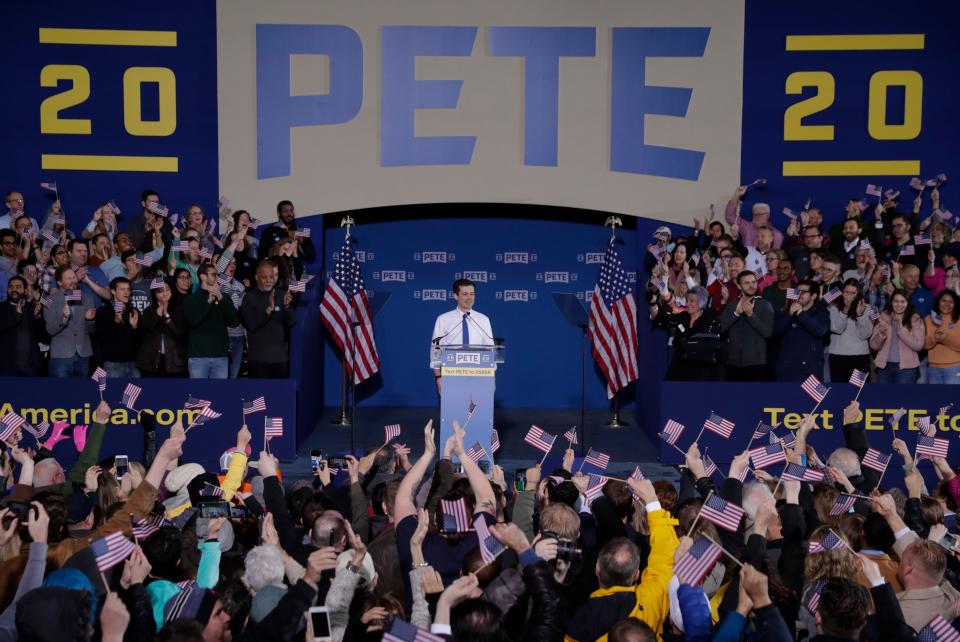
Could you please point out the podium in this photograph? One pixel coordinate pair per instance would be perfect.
(467, 391)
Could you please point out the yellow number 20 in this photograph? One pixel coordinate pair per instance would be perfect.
(912, 82)
(50, 108)
(793, 127)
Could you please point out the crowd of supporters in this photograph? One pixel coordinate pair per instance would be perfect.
(387, 547)
(161, 295)
(878, 292)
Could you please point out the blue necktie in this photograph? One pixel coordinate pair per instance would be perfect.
(465, 331)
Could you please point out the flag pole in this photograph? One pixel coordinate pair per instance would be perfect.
(697, 518)
(820, 402)
(728, 553)
(548, 452)
(583, 461)
(857, 396)
(754, 433)
(702, 428)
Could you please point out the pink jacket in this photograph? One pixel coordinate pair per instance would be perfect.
(910, 341)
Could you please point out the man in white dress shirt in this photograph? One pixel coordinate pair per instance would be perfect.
(464, 325)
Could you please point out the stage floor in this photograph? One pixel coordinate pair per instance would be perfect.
(628, 446)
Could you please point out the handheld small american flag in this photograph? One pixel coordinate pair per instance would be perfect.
(938, 630)
(110, 550)
(158, 209)
(50, 187)
(38, 432)
(391, 432)
(613, 324)
(402, 631)
(926, 427)
(157, 283)
(72, 296)
(180, 246)
(891, 194)
(207, 412)
(876, 460)
(874, 314)
(595, 484)
(490, 546)
(722, 513)
(144, 528)
(195, 403)
(206, 253)
(717, 424)
(762, 430)
(475, 453)
(814, 388)
(842, 505)
(916, 183)
(257, 405)
(920, 239)
(9, 425)
(597, 458)
(908, 250)
(100, 378)
(830, 542)
(254, 223)
(50, 236)
(494, 441)
(345, 301)
(708, 464)
(211, 490)
(897, 416)
(45, 300)
(793, 294)
(858, 378)
(637, 474)
(832, 295)
(874, 190)
(455, 517)
(571, 436)
(303, 232)
(130, 395)
(789, 440)
(796, 472)
(813, 597)
(273, 427)
(932, 446)
(471, 408)
(697, 562)
(672, 431)
(768, 455)
(119, 307)
(145, 261)
(297, 286)
(223, 280)
(540, 439)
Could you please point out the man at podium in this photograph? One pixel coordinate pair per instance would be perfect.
(464, 325)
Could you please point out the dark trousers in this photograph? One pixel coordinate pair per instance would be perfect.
(747, 373)
(257, 370)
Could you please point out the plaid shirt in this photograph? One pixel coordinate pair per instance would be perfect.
(876, 298)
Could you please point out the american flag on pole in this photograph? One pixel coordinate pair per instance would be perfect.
(494, 441)
(45, 300)
(858, 378)
(50, 187)
(637, 474)
(211, 490)
(814, 388)
(762, 430)
(789, 440)
(832, 295)
(180, 246)
(595, 484)
(932, 446)
(926, 427)
(897, 416)
(144, 528)
(130, 395)
(830, 542)
(697, 562)
(490, 546)
(672, 431)
(842, 505)
(796, 472)
(571, 436)
(767, 455)
(72, 296)
(38, 432)
(722, 513)
(100, 378)
(793, 294)
(158, 209)
(475, 453)
(813, 597)
(874, 190)
(402, 631)
(876, 460)
(538, 438)
(455, 517)
(938, 630)
(303, 232)
(10, 423)
(716, 423)
(195, 403)
(908, 250)
(207, 412)
(272, 427)
(920, 239)
(391, 432)
(157, 283)
(145, 261)
(597, 458)
(345, 302)
(110, 550)
(257, 405)
(613, 324)
(119, 307)
(50, 235)
(708, 464)
(297, 286)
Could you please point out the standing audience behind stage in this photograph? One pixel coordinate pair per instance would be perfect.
(127, 297)
(878, 293)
